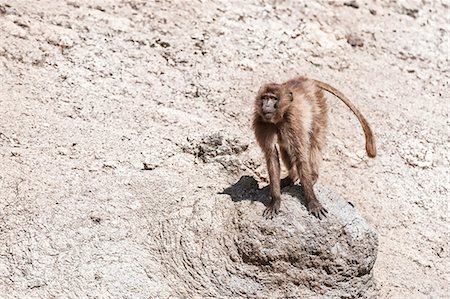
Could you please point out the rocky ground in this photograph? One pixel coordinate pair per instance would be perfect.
(122, 123)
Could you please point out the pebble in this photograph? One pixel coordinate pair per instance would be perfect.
(354, 40)
(149, 166)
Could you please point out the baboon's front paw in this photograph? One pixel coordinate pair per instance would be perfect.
(272, 210)
(315, 208)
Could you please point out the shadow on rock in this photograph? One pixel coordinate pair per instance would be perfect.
(247, 189)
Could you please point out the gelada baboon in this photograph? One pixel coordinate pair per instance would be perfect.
(294, 116)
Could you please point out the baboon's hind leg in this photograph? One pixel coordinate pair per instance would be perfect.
(317, 142)
(315, 159)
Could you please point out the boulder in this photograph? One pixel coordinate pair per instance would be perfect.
(227, 249)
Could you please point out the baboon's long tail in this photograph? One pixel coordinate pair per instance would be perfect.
(370, 140)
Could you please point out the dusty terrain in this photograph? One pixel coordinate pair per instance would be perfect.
(102, 104)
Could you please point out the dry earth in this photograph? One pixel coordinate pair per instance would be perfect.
(103, 102)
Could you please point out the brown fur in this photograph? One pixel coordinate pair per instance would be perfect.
(294, 115)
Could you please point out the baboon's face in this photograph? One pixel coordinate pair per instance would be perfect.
(272, 101)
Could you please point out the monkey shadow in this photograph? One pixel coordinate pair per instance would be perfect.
(247, 189)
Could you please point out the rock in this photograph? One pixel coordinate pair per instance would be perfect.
(417, 154)
(352, 3)
(119, 24)
(57, 36)
(109, 165)
(354, 40)
(60, 40)
(149, 166)
(247, 64)
(162, 43)
(209, 146)
(410, 7)
(333, 257)
(228, 249)
(218, 147)
(12, 29)
(2, 9)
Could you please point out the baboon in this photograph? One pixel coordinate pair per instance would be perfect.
(294, 115)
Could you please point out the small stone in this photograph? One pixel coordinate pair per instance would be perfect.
(354, 40)
(62, 40)
(352, 3)
(410, 7)
(2, 10)
(163, 43)
(109, 164)
(100, 8)
(149, 166)
(412, 12)
(97, 217)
